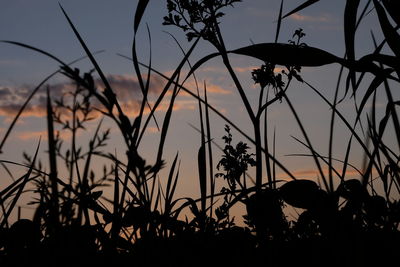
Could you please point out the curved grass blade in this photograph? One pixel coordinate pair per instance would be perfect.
(201, 62)
(167, 86)
(35, 49)
(144, 87)
(209, 147)
(201, 160)
(141, 7)
(376, 82)
(301, 7)
(108, 90)
(340, 115)
(34, 90)
(166, 122)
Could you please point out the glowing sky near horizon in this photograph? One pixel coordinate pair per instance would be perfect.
(108, 25)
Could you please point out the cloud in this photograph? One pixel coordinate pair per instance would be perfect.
(251, 68)
(9, 63)
(35, 135)
(126, 88)
(325, 18)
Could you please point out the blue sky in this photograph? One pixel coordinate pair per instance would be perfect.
(108, 25)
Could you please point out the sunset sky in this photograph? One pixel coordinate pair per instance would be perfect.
(108, 25)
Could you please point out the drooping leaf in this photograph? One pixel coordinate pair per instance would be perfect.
(378, 80)
(281, 54)
(390, 33)
(299, 193)
(301, 7)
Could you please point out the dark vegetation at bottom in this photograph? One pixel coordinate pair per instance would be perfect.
(343, 222)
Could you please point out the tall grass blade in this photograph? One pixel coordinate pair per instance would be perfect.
(116, 208)
(350, 21)
(108, 91)
(201, 158)
(278, 26)
(308, 141)
(170, 81)
(144, 87)
(141, 7)
(166, 123)
(266, 154)
(202, 168)
(35, 49)
(209, 147)
(54, 205)
(281, 166)
(344, 120)
(169, 192)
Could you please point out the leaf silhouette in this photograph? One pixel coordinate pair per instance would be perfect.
(393, 7)
(350, 21)
(287, 54)
(202, 175)
(299, 193)
(301, 7)
(376, 82)
(278, 26)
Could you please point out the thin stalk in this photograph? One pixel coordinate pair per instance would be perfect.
(328, 188)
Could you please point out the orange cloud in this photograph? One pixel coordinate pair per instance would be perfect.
(35, 135)
(305, 18)
(314, 173)
(251, 68)
(126, 88)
